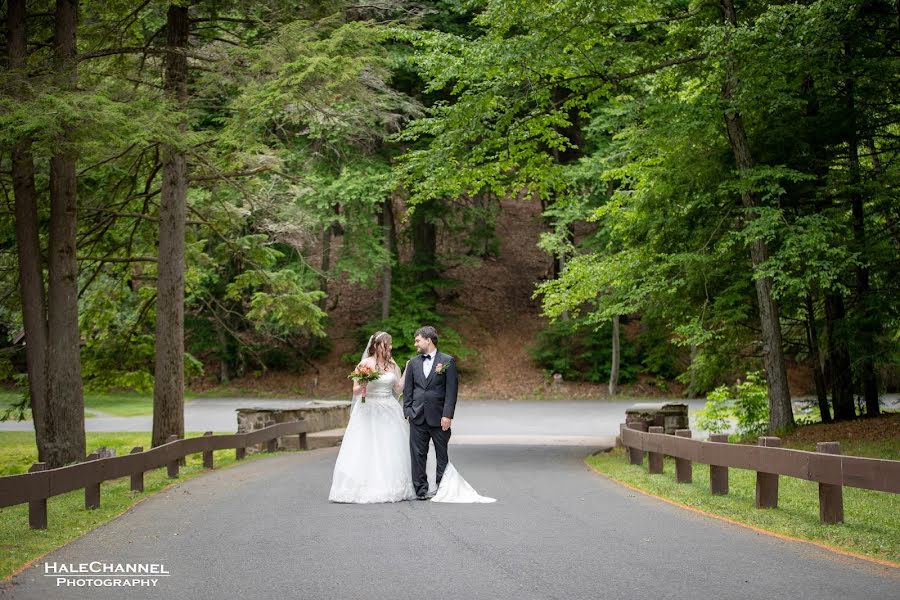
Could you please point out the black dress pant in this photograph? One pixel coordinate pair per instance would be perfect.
(419, 436)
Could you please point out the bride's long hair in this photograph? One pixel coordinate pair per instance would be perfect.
(380, 348)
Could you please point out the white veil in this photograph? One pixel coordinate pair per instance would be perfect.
(354, 398)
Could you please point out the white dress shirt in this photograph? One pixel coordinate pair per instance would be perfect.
(427, 364)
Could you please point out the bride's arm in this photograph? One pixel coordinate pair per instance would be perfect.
(398, 380)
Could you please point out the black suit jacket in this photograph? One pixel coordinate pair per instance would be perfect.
(427, 399)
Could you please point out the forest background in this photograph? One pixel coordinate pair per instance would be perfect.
(643, 198)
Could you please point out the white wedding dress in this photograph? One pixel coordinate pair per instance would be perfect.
(374, 464)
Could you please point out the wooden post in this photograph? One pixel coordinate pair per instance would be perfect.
(656, 458)
(182, 460)
(636, 455)
(718, 476)
(173, 464)
(302, 443)
(208, 455)
(37, 509)
(684, 471)
(272, 445)
(137, 479)
(92, 490)
(767, 483)
(831, 497)
(240, 453)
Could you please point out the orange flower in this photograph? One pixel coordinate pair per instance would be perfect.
(364, 374)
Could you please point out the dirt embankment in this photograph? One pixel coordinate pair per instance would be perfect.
(492, 308)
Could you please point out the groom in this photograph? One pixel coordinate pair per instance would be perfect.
(429, 399)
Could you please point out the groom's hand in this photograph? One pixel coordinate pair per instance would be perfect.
(445, 423)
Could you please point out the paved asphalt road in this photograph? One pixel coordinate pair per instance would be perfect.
(473, 420)
(558, 531)
(472, 417)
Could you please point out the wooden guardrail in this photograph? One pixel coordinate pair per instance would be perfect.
(826, 466)
(40, 483)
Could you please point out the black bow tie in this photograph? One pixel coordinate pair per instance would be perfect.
(427, 357)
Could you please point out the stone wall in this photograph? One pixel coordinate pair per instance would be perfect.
(320, 418)
(670, 415)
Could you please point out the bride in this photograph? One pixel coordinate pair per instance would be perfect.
(374, 463)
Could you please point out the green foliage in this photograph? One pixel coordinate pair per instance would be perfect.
(717, 360)
(17, 408)
(303, 119)
(747, 402)
(656, 173)
(278, 300)
(581, 351)
(471, 222)
(658, 355)
(412, 306)
(358, 191)
(118, 326)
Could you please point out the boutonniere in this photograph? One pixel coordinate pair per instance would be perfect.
(440, 368)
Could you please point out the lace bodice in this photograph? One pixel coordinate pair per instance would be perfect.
(382, 388)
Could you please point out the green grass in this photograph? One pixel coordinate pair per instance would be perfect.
(887, 449)
(121, 404)
(871, 519)
(67, 517)
(231, 391)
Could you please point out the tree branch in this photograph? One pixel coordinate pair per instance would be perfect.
(216, 176)
(103, 162)
(229, 19)
(142, 50)
(119, 259)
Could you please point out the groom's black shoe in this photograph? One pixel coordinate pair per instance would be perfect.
(421, 497)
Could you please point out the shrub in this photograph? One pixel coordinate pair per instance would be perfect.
(412, 307)
(581, 351)
(746, 402)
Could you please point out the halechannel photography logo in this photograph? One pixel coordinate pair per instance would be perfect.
(103, 574)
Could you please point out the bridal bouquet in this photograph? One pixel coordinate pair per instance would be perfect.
(364, 374)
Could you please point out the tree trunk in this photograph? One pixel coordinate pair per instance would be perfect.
(64, 341)
(559, 265)
(878, 169)
(812, 340)
(823, 368)
(781, 415)
(691, 391)
(224, 376)
(387, 225)
(328, 233)
(839, 358)
(863, 291)
(574, 134)
(168, 390)
(31, 276)
(326, 264)
(424, 247)
(614, 367)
